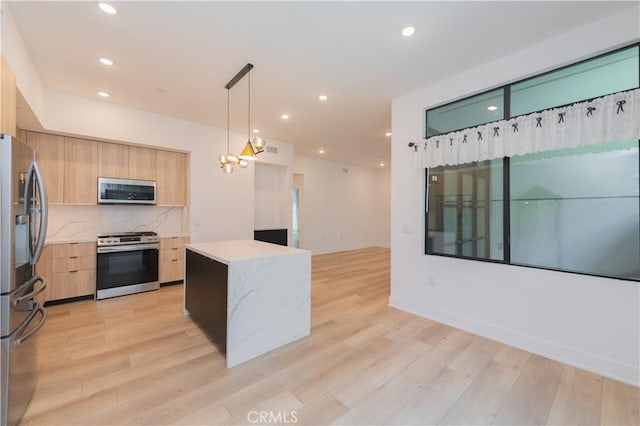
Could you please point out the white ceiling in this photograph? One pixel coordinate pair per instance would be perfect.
(351, 51)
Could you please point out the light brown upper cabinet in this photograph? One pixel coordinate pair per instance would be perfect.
(172, 178)
(71, 167)
(143, 163)
(81, 171)
(7, 99)
(113, 160)
(50, 156)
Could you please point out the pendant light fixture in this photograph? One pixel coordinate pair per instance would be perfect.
(227, 160)
(254, 146)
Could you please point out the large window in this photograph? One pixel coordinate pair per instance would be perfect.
(574, 210)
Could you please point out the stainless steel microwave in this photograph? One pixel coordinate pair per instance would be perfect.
(126, 191)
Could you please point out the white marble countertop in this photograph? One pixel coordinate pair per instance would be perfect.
(95, 239)
(232, 251)
(70, 241)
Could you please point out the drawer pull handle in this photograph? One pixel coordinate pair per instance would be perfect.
(73, 257)
(75, 270)
(174, 260)
(175, 248)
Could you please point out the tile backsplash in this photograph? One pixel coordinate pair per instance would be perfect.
(73, 222)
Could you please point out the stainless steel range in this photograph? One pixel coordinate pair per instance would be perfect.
(127, 263)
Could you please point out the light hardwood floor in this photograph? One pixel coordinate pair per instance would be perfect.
(138, 360)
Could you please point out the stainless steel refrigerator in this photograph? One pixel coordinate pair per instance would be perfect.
(23, 228)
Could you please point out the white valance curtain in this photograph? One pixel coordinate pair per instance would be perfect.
(611, 118)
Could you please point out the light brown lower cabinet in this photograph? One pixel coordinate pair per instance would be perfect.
(171, 264)
(70, 270)
(43, 268)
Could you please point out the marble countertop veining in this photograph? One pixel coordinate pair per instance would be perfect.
(233, 251)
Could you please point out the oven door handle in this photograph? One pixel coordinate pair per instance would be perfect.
(133, 247)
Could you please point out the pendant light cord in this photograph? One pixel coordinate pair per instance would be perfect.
(227, 121)
(249, 110)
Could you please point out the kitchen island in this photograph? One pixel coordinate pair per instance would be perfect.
(250, 297)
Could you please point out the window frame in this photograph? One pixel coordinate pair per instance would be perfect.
(506, 210)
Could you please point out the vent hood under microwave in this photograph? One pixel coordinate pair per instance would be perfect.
(126, 191)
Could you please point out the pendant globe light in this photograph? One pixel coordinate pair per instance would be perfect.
(227, 160)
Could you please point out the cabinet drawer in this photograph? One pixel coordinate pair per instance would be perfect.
(73, 250)
(172, 254)
(73, 284)
(171, 270)
(173, 243)
(69, 264)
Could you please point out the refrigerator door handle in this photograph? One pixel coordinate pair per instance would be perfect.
(35, 173)
(33, 293)
(23, 337)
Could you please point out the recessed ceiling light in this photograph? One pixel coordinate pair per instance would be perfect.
(492, 108)
(256, 130)
(387, 134)
(107, 8)
(106, 61)
(321, 151)
(103, 94)
(284, 116)
(322, 97)
(381, 164)
(408, 31)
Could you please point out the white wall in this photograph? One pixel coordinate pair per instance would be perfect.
(589, 322)
(14, 51)
(272, 202)
(382, 216)
(342, 210)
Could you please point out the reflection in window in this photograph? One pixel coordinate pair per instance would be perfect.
(479, 109)
(577, 210)
(465, 210)
(612, 73)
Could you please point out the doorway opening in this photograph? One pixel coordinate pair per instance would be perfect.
(296, 216)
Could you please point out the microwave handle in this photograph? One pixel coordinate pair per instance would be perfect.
(36, 175)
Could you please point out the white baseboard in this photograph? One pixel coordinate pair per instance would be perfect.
(606, 367)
